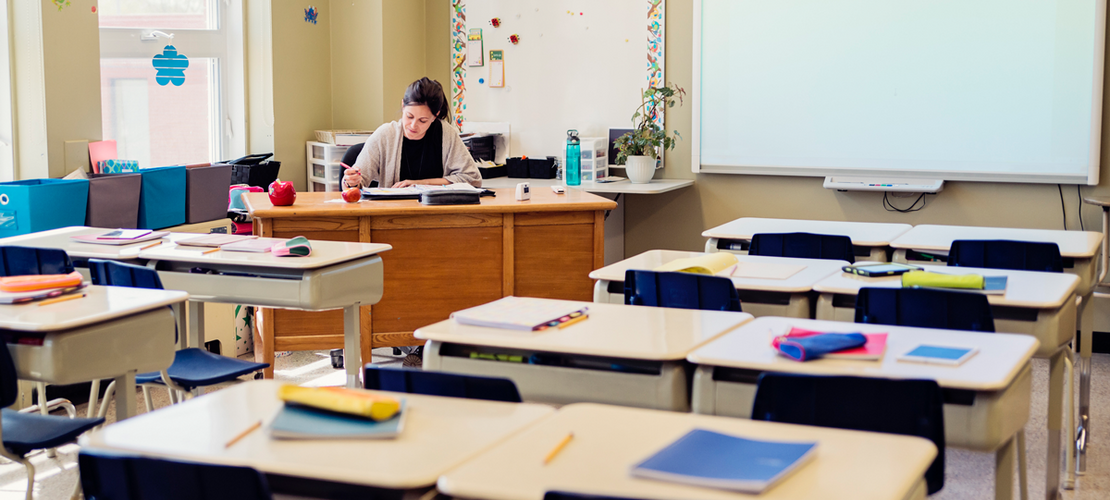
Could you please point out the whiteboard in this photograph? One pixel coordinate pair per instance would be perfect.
(986, 90)
(578, 65)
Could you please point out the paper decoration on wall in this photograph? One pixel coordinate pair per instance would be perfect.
(496, 69)
(94, 9)
(63, 3)
(474, 48)
(171, 66)
(514, 39)
(310, 14)
(458, 53)
(495, 22)
(481, 80)
(656, 35)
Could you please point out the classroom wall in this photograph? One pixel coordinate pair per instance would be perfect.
(357, 62)
(56, 73)
(437, 50)
(717, 198)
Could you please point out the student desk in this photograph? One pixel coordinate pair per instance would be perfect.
(626, 355)
(761, 297)
(439, 434)
(609, 440)
(929, 244)
(338, 275)
(112, 332)
(869, 239)
(987, 397)
(444, 258)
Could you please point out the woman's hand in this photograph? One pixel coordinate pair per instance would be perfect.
(433, 182)
(352, 178)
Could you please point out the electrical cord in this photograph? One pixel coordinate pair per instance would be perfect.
(1063, 209)
(891, 208)
(1079, 196)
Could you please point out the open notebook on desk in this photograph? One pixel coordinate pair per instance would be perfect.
(414, 192)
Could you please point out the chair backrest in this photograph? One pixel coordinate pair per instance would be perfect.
(441, 384)
(803, 245)
(909, 407)
(9, 385)
(564, 495)
(351, 155)
(110, 476)
(1007, 254)
(111, 273)
(924, 308)
(680, 290)
(20, 261)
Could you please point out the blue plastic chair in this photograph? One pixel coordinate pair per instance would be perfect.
(192, 367)
(20, 261)
(803, 245)
(451, 385)
(23, 432)
(908, 407)
(1007, 254)
(924, 308)
(112, 476)
(680, 290)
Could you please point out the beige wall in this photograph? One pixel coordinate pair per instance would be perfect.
(357, 62)
(437, 51)
(302, 96)
(56, 66)
(717, 198)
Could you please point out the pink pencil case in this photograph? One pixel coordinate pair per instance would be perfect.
(296, 247)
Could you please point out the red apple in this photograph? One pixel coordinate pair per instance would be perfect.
(352, 195)
(282, 193)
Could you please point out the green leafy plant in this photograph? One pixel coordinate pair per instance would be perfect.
(649, 139)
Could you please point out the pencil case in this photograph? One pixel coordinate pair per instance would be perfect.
(296, 247)
(938, 280)
(31, 283)
(342, 400)
(805, 348)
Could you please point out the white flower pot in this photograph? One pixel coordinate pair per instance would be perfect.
(640, 169)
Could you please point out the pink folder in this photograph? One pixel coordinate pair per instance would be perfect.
(100, 151)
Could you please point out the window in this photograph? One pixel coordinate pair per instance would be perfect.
(7, 157)
(156, 118)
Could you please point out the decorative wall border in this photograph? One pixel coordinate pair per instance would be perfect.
(458, 60)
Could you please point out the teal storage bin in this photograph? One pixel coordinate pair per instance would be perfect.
(162, 198)
(40, 204)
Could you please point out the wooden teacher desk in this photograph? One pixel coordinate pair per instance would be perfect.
(444, 258)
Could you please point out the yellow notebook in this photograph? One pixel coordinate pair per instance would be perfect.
(710, 263)
(342, 400)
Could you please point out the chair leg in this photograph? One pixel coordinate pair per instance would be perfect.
(108, 393)
(94, 396)
(26, 464)
(1069, 422)
(146, 399)
(44, 409)
(1023, 485)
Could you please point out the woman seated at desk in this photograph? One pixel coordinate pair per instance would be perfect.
(422, 148)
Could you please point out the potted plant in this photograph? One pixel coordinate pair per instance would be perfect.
(638, 150)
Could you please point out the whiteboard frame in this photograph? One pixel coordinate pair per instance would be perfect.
(1091, 178)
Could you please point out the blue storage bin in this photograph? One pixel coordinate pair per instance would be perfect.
(162, 198)
(40, 204)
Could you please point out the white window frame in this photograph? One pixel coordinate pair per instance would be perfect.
(225, 43)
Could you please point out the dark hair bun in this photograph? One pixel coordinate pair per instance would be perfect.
(429, 93)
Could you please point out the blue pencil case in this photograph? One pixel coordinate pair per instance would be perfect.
(815, 346)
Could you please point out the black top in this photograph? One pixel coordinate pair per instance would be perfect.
(423, 158)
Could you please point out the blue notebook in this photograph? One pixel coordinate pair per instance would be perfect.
(300, 422)
(711, 459)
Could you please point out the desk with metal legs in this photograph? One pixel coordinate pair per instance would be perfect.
(759, 296)
(986, 398)
(929, 244)
(870, 240)
(338, 275)
(112, 332)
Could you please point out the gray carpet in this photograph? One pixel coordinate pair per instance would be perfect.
(969, 475)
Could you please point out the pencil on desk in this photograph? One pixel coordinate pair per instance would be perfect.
(61, 299)
(573, 321)
(210, 251)
(559, 447)
(243, 434)
(156, 243)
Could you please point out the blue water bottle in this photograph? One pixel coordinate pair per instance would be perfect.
(573, 166)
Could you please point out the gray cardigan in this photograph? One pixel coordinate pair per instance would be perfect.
(380, 158)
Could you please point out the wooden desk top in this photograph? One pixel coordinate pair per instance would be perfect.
(609, 440)
(331, 205)
(440, 433)
(1001, 356)
(815, 270)
(866, 234)
(1027, 289)
(929, 237)
(631, 332)
(101, 303)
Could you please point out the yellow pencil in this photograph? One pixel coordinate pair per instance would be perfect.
(573, 321)
(210, 251)
(60, 299)
(243, 434)
(559, 447)
(156, 243)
